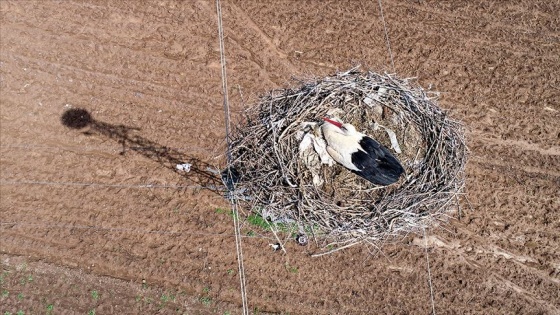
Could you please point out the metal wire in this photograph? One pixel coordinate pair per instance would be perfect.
(243, 285)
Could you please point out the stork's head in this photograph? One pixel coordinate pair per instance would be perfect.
(336, 125)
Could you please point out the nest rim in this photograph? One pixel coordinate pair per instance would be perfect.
(265, 154)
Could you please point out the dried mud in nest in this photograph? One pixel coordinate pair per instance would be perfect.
(346, 209)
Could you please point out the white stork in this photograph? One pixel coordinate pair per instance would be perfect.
(360, 153)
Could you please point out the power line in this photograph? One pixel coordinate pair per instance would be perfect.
(386, 36)
(429, 273)
(388, 43)
(232, 199)
(92, 148)
(120, 229)
(52, 183)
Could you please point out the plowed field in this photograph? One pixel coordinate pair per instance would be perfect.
(99, 221)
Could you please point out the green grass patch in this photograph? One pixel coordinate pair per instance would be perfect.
(292, 228)
(167, 297)
(206, 300)
(26, 279)
(257, 220)
(224, 211)
(291, 269)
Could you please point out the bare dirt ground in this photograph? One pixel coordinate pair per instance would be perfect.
(87, 228)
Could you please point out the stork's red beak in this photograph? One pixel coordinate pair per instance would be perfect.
(336, 123)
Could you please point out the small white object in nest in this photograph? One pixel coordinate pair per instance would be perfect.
(319, 145)
(313, 152)
(378, 96)
(302, 239)
(271, 216)
(184, 167)
(392, 137)
(276, 246)
(373, 100)
(315, 138)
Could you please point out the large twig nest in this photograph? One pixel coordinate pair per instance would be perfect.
(283, 184)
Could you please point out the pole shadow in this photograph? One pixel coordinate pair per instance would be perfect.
(200, 172)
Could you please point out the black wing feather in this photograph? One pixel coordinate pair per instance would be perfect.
(376, 164)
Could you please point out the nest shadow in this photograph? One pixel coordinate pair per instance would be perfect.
(200, 173)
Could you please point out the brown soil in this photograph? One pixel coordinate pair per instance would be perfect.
(78, 214)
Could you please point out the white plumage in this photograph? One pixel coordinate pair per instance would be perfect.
(360, 153)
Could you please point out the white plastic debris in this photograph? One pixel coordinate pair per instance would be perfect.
(273, 217)
(320, 146)
(394, 142)
(213, 170)
(382, 91)
(392, 137)
(276, 246)
(368, 101)
(313, 151)
(184, 167)
(375, 97)
(310, 158)
(306, 143)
